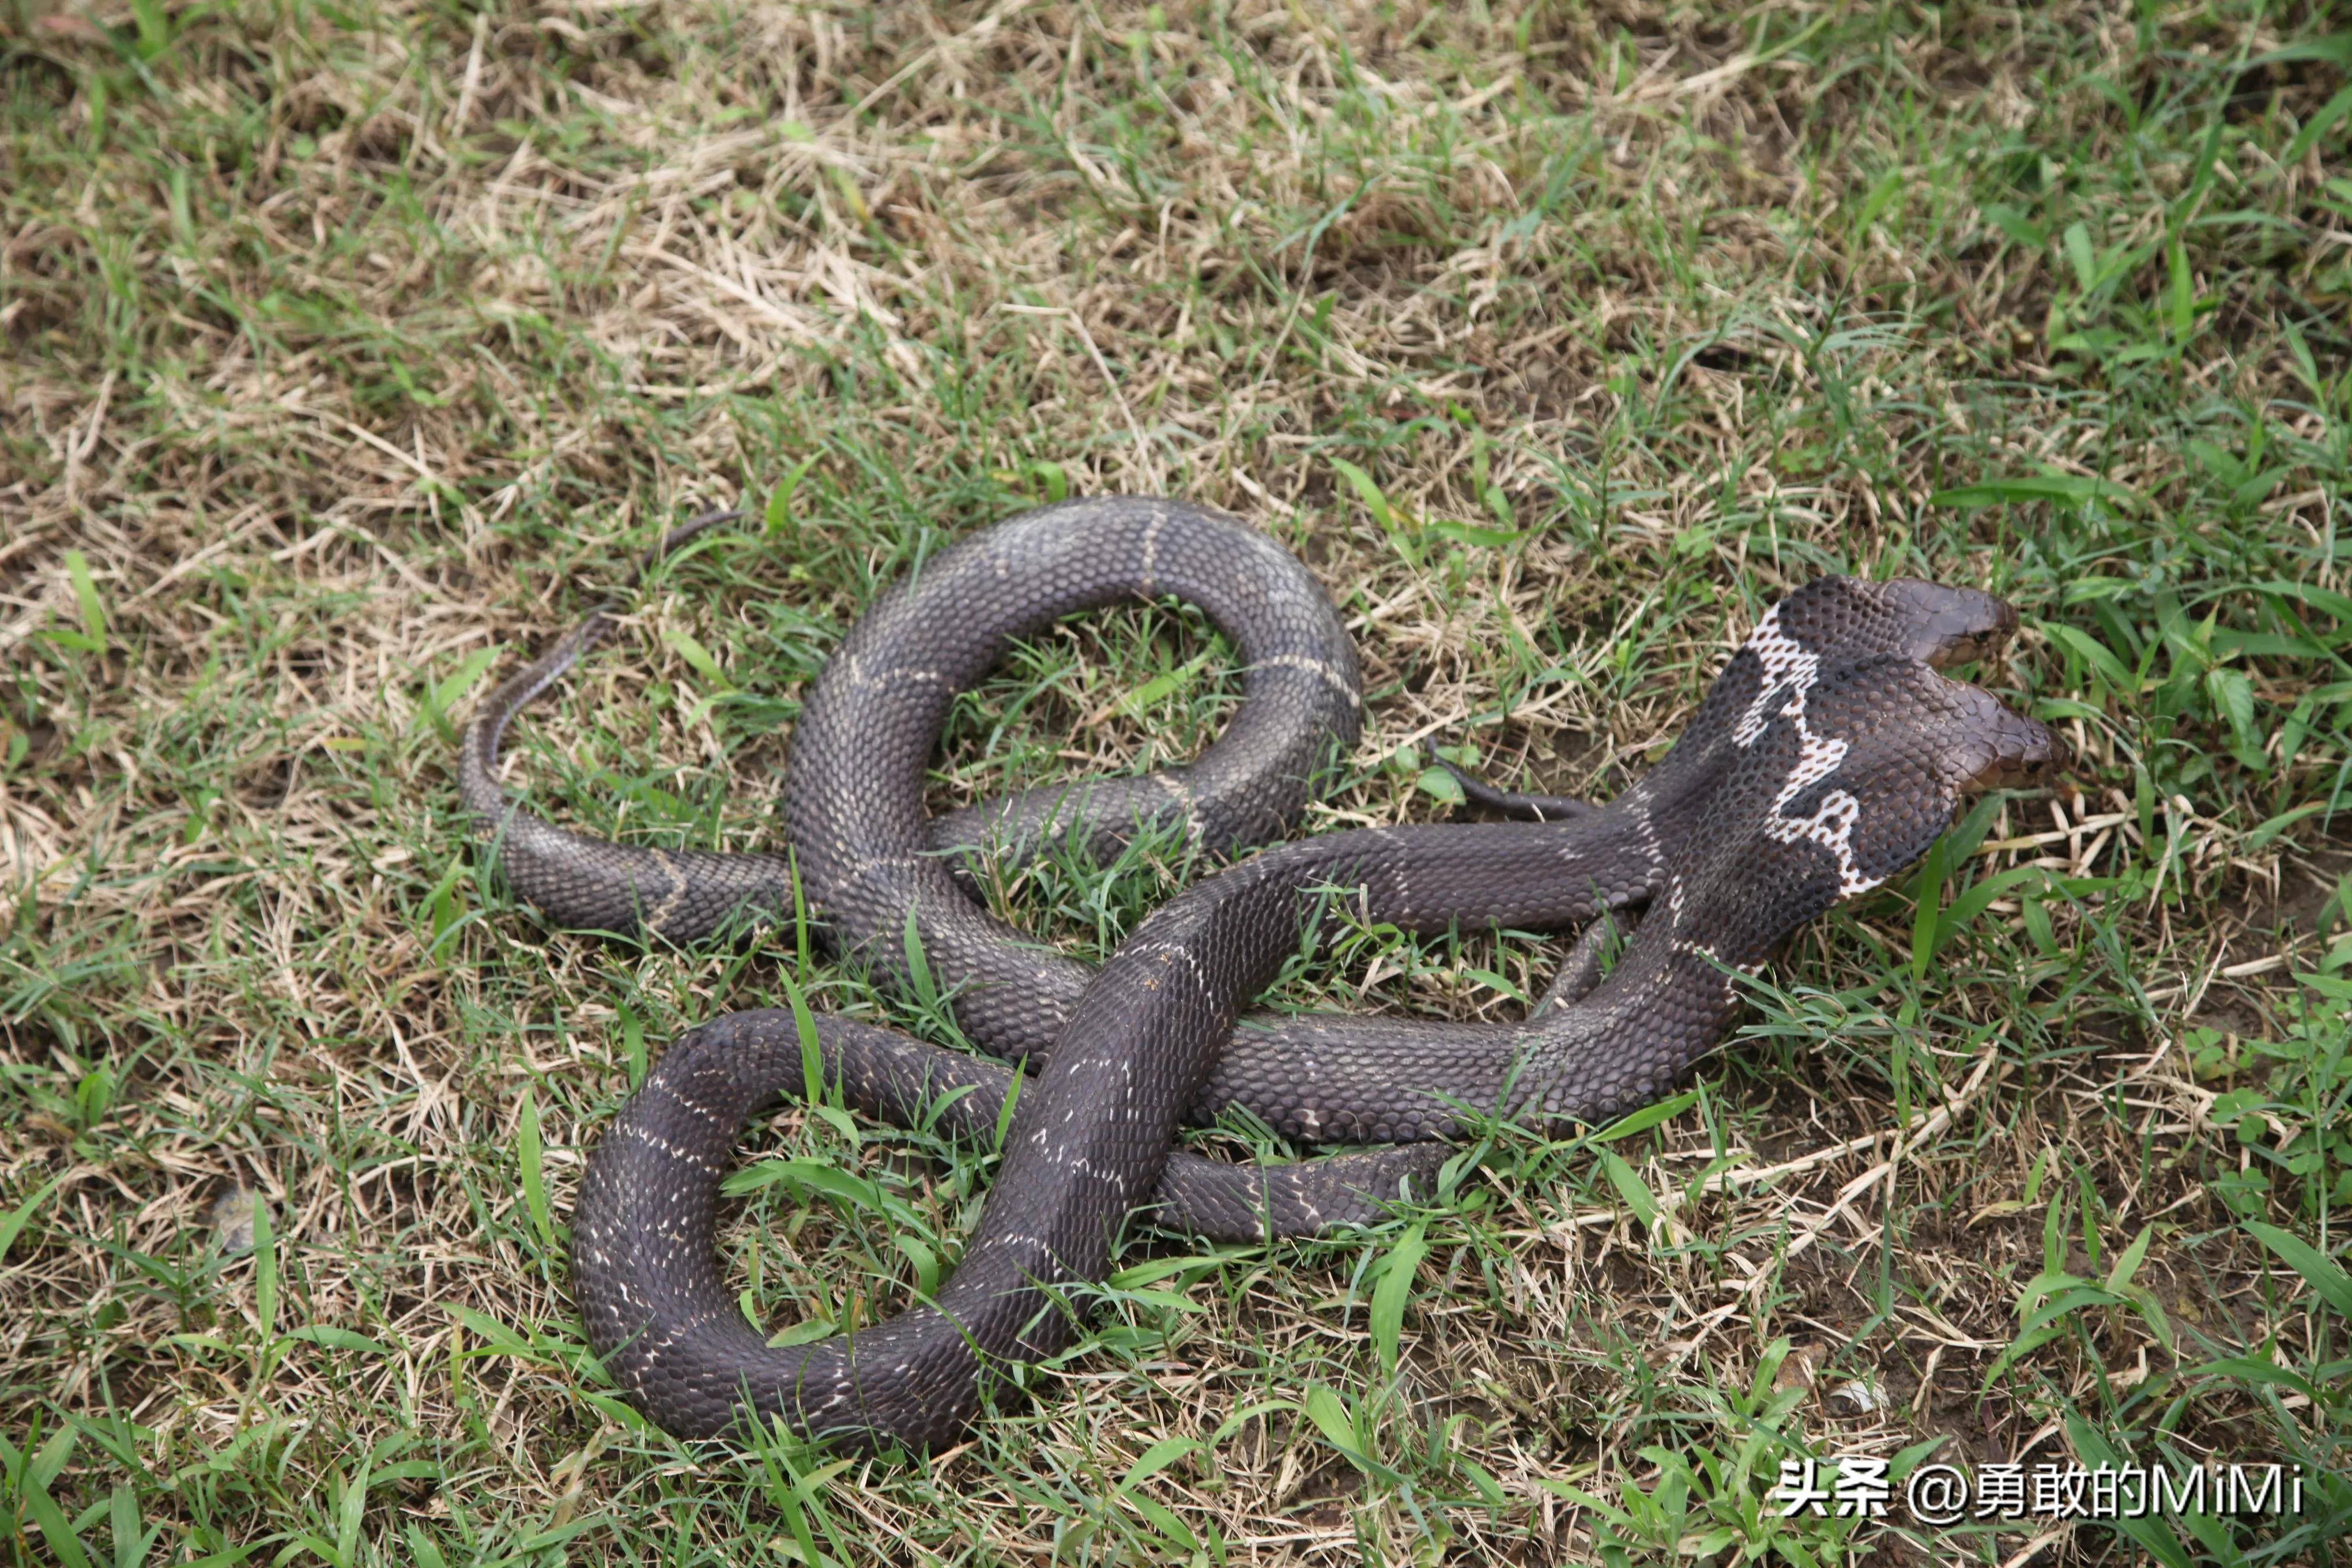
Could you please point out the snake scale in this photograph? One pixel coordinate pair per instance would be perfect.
(1827, 756)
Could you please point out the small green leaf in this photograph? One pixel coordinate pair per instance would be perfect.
(1928, 888)
(1890, 186)
(1005, 1117)
(2234, 698)
(2182, 302)
(131, 1543)
(2155, 1540)
(1163, 1519)
(2023, 1346)
(1134, 702)
(154, 26)
(1394, 526)
(633, 1044)
(2260, 1370)
(64, 1545)
(1389, 1296)
(2016, 225)
(918, 968)
(1472, 534)
(926, 1262)
(2318, 1270)
(1330, 1418)
(2325, 600)
(352, 1515)
(1649, 1116)
(1368, 492)
(2077, 243)
(780, 499)
(1500, 505)
(2127, 1262)
(1963, 910)
(1239, 1418)
(421, 1547)
(2094, 653)
(14, 1222)
(2305, 367)
(817, 1177)
(1158, 1458)
(85, 587)
(442, 696)
(534, 1182)
(1051, 480)
(2333, 48)
(444, 909)
(497, 1338)
(338, 1339)
(697, 656)
(50, 1461)
(1439, 784)
(1638, 1198)
(2334, 109)
(2277, 824)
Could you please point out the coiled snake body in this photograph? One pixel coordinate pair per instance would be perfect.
(1827, 756)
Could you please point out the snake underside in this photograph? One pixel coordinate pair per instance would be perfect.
(1826, 757)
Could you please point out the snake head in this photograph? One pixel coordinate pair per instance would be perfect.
(2003, 750)
(1846, 618)
(1952, 626)
(1843, 770)
(1885, 750)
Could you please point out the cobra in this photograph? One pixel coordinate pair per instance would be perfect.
(1826, 757)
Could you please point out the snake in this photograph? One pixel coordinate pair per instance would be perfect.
(1826, 757)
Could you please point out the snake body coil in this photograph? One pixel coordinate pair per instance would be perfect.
(1827, 756)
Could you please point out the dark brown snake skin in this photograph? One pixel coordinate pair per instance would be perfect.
(1827, 756)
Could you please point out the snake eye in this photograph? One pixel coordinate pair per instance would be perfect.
(2033, 756)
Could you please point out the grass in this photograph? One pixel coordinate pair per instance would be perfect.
(350, 349)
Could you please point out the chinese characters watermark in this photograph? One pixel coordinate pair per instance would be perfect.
(1854, 1487)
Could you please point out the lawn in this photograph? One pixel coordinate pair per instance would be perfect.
(350, 350)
